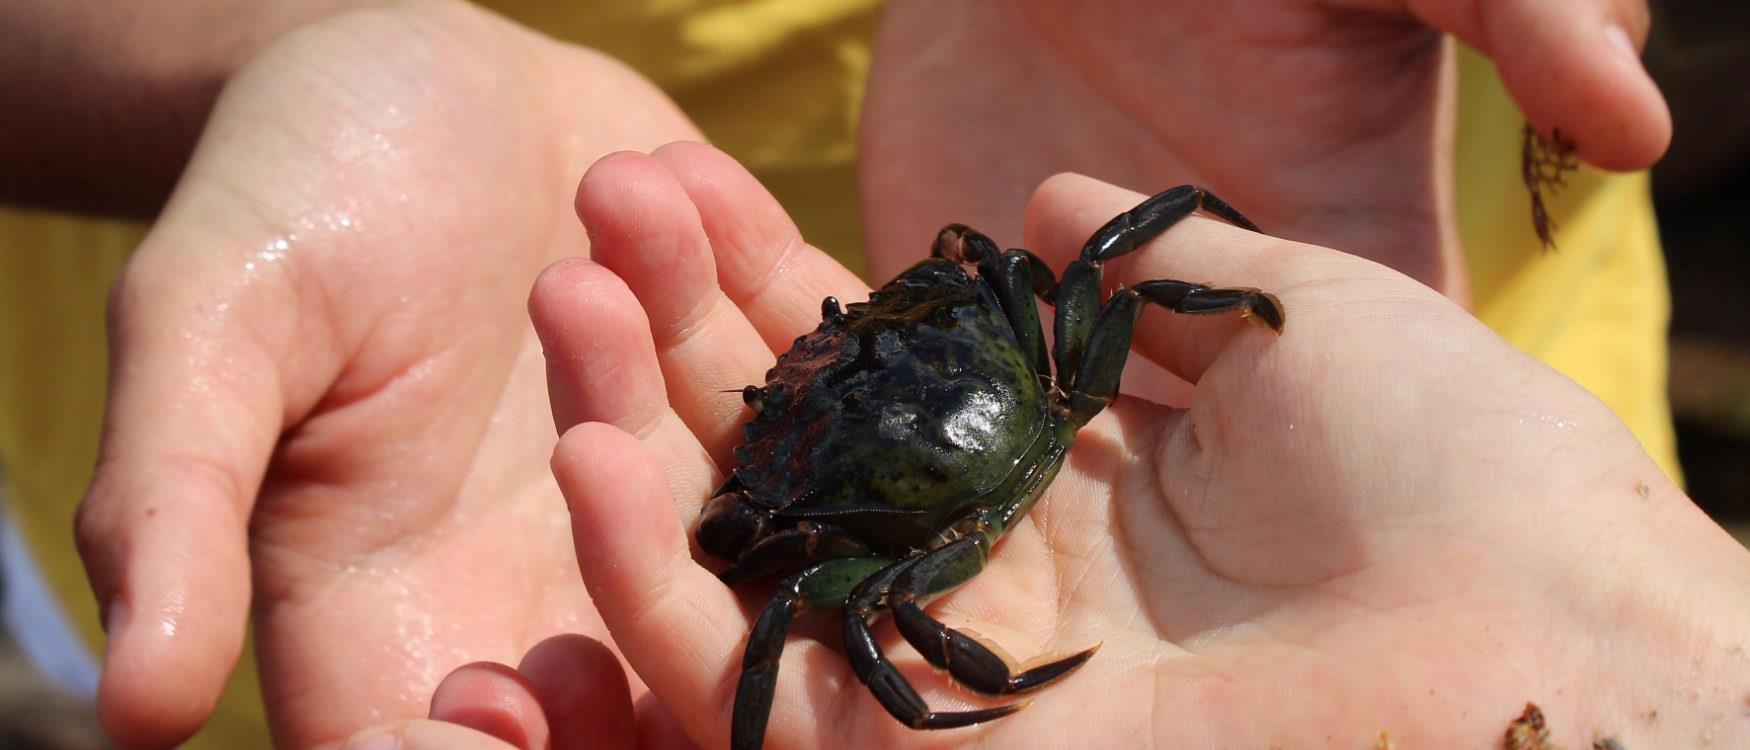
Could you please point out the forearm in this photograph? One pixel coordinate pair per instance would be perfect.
(106, 97)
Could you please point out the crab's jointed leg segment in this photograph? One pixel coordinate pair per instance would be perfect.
(956, 558)
(809, 542)
(728, 523)
(1014, 276)
(822, 586)
(1132, 229)
(885, 682)
(967, 660)
(965, 245)
(1095, 382)
(1078, 305)
(1093, 339)
(1187, 298)
(1078, 292)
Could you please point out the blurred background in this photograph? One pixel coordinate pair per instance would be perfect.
(1700, 54)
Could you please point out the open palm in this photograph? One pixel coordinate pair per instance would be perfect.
(1348, 533)
(1329, 121)
(332, 308)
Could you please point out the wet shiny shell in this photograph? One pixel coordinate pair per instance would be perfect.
(893, 420)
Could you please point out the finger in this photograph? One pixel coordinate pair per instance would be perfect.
(1570, 65)
(194, 411)
(776, 279)
(426, 734)
(677, 626)
(643, 226)
(1066, 209)
(658, 729)
(495, 700)
(583, 693)
(602, 367)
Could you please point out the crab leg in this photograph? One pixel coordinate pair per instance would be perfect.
(953, 561)
(1078, 292)
(884, 680)
(728, 523)
(810, 541)
(1132, 229)
(967, 660)
(1186, 298)
(1015, 276)
(1095, 382)
(822, 586)
(1093, 339)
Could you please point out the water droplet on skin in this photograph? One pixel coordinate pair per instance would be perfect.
(1551, 419)
(175, 608)
(276, 250)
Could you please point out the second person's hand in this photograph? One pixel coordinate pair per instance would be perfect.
(329, 316)
(1329, 122)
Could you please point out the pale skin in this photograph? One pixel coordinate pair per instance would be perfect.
(1385, 520)
(328, 406)
(344, 433)
(1345, 106)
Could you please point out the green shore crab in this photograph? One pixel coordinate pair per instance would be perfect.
(895, 444)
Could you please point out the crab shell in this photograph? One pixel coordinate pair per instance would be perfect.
(899, 416)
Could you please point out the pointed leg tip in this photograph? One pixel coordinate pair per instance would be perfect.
(957, 719)
(1074, 661)
(1086, 655)
(1266, 311)
(1046, 674)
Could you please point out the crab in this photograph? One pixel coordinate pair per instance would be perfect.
(893, 446)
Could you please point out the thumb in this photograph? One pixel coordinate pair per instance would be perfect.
(195, 409)
(1572, 65)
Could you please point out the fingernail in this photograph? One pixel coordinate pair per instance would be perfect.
(381, 738)
(1621, 41)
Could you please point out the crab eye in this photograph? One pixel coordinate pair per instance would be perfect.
(830, 312)
(754, 397)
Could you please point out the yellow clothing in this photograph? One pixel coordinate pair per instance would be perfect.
(1597, 307)
(777, 84)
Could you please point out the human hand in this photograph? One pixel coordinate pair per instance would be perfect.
(117, 92)
(568, 693)
(1386, 521)
(1328, 122)
(330, 317)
